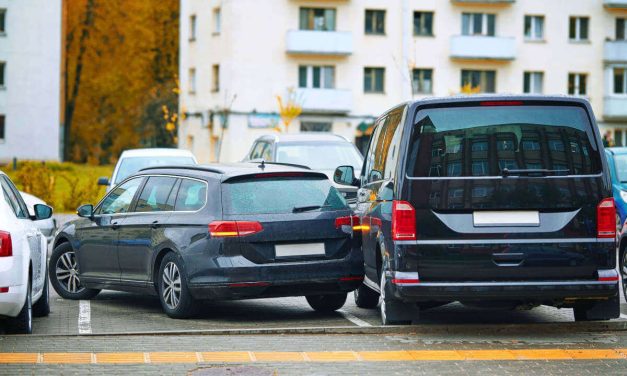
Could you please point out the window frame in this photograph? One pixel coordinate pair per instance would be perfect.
(578, 28)
(485, 24)
(617, 23)
(484, 73)
(182, 179)
(215, 78)
(310, 75)
(423, 23)
(421, 72)
(216, 15)
(192, 81)
(17, 197)
(577, 84)
(192, 27)
(330, 24)
(132, 204)
(3, 21)
(528, 80)
(371, 88)
(173, 190)
(373, 21)
(533, 20)
(624, 81)
(3, 128)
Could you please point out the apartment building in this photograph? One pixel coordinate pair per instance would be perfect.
(347, 61)
(30, 58)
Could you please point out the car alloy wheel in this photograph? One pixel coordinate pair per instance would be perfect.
(171, 288)
(67, 273)
(382, 306)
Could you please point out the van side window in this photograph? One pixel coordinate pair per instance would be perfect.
(371, 175)
(389, 154)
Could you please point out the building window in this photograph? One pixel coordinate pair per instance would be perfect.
(215, 77)
(3, 16)
(374, 80)
(423, 23)
(534, 27)
(422, 80)
(578, 29)
(316, 77)
(620, 81)
(577, 84)
(375, 22)
(192, 28)
(2, 73)
(320, 19)
(478, 24)
(533, 82)
(620, 28)
(315, 126)
(217, 21)
(484, 80)
(2, 122)
(192, 80)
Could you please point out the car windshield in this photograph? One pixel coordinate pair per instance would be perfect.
(320, 156)
(620, 161)
(280, 195)
(130, 165)
(492, 140)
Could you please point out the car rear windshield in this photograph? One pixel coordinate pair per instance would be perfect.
(280, 195)
(485, 140)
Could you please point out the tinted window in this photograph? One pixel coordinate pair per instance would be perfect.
(620, 161)
(131, 165)
(154, 196)
(513, 137)
(192, 195)
(10, 195)
(279, 195)
(119, 200)
(319, 155)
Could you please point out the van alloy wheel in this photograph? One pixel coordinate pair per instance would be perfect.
(171, 288)
(67, 273)
(623, 273)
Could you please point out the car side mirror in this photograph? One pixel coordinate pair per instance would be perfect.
(103, 180)
(85, 211)
(345, 175)
(42, 212)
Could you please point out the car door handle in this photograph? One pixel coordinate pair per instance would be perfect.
(115, 226)
(154, 224)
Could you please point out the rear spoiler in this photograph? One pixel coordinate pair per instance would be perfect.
(276, 174)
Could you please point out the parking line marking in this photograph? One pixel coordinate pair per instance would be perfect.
(352, 318)
(84, 317)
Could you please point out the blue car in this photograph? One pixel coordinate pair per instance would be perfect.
(617, 160)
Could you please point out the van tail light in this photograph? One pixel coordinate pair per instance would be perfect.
(353, 221)
(608, 275)
(6, 244)
(606, 219)
(403, 221)
(226, 229)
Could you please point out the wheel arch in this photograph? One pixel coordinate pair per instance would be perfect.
(156, 263)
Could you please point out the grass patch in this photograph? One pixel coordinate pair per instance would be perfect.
(64, 186)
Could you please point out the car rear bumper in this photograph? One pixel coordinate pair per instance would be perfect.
(11, 302)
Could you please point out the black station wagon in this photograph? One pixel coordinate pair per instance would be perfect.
(487, 200)
(238, 231)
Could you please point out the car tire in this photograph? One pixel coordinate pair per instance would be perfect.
(42, 307)
(63, 271)
(394, 312)
(599, 311)
(365, 297)
(326, 303)
(176, 304)
(23, 323)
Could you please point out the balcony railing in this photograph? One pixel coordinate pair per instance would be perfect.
(482, 48)
(615, 4)
(312, 42)
(325, 100)
(615, 107)
(615, 51)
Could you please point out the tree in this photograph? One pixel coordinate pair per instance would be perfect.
(289, 108)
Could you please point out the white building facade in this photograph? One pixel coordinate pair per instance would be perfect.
(30, 58)
(347, 61)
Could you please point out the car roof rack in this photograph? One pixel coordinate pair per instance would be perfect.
(185, 167)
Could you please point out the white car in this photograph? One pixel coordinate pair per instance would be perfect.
(23, 252)
(134, 160)
(46, 226)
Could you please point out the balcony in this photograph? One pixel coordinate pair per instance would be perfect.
(615, 4)
(312, 42)
(615, 108)
(325, 100)
(615, 51)
(473, 47)
(473, 2)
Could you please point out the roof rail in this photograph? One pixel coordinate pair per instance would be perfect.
(283, 164)
(185, 167)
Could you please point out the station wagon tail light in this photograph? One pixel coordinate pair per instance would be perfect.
(6, 245)
(606, 218)
(226, 229)
(352, 221)
(403, 221)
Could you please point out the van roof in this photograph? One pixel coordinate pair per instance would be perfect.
(305, 137)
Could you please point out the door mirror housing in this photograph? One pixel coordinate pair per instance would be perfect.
(103, 180)
(85, 211)
(345, 175)
(41, 212)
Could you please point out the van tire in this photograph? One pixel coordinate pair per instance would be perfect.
(393, 311)
(326, 303)
(600, 311)
(365, 297)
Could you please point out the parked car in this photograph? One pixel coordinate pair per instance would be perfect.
(214, 232)
(134, 160)
(617, 162)
(319, 151)
(487, 200)
(46, 226)
(23, 252)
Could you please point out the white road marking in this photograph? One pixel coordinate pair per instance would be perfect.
(352, 318)
(623, 316)
(84, 317)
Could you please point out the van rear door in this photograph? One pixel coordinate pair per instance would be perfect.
(508, 190)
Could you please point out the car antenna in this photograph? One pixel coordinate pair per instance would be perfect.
(263, 164)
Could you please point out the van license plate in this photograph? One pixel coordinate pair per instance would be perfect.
(506, 218)
(293, 250)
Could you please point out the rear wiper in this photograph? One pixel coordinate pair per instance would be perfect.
(533, 171)
(300, 209)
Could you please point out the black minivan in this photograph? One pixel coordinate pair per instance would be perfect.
(188, 233)
(487, 200)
